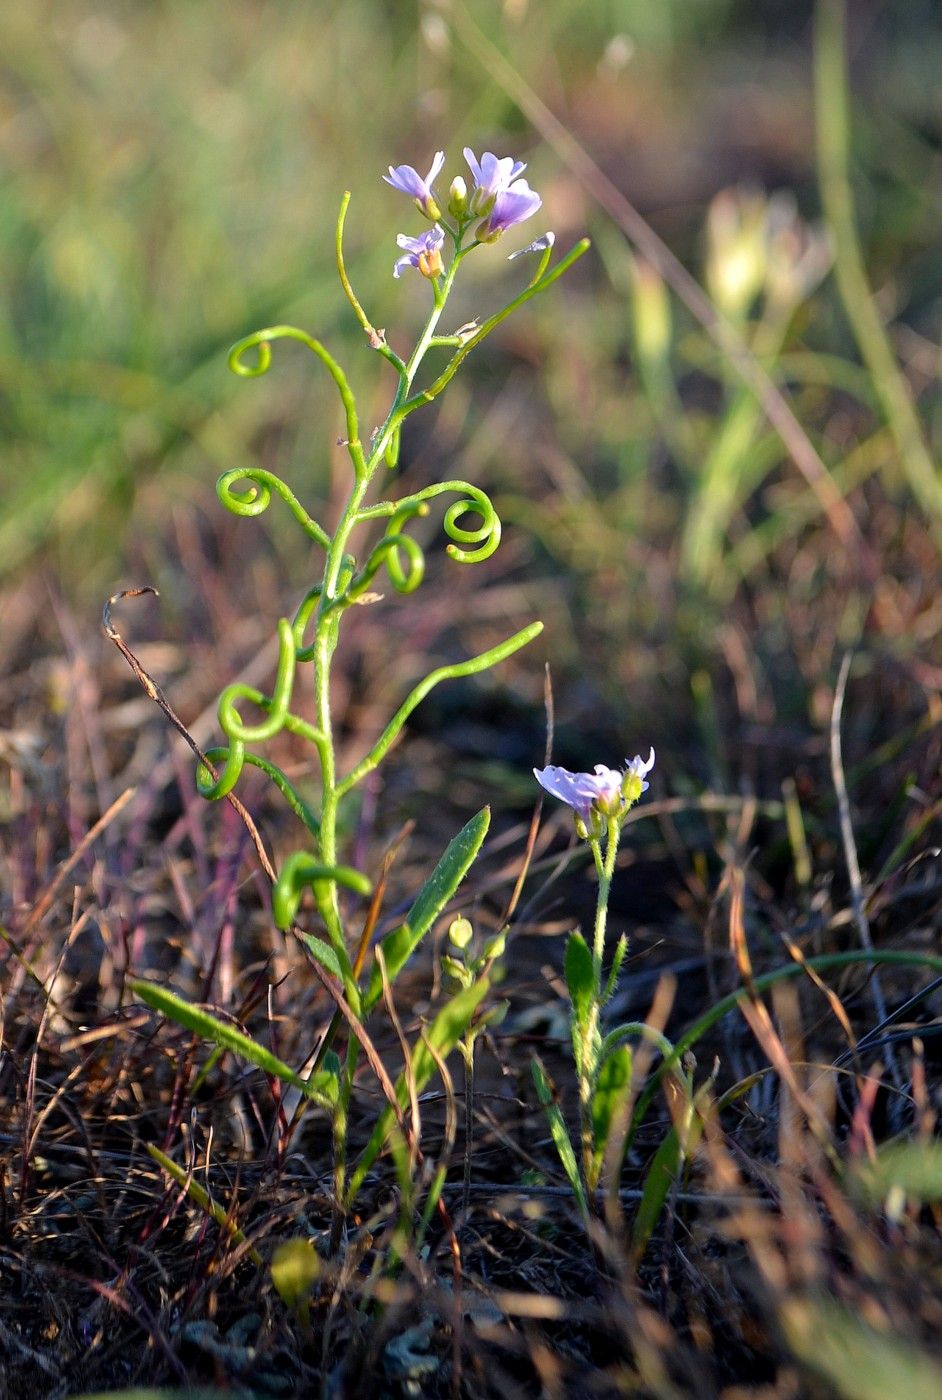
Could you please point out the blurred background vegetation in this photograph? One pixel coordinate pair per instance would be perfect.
(172, 174)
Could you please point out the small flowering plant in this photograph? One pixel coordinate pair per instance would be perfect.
(337, 933)
(600, 801)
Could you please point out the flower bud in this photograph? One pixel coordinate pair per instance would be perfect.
(457, 971)
(460, 932)
(458, 198)
(481, 201)
(494, 947)
(736, 250)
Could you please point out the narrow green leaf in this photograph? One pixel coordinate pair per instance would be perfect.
(323, 953)
(658, 1181)
(621, 948)
(322, 1089)
(558, 1131)
(202, 1198)
(669, 1158)
(438, 889)
(611, 1093)
(580, 976)
(446, 1030)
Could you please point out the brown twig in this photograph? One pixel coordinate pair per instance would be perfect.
(155, 693)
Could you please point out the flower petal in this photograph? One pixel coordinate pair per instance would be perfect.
(539, 245)
(473, 164)
(435, 171)
(406, 179)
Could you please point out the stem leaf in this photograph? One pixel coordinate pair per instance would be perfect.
(612, 1090)
(322, 1088)
(621, 948)
(323, 953)
(580, 976)
(558, 1131)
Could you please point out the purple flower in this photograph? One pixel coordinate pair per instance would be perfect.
(409, 181)
(607, 789)
(510, 207)
(492, 175)
(580, 790)
(424, 253)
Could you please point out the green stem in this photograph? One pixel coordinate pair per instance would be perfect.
(341, 1116)
(591, 1040)
(606, 871)
(328, 619)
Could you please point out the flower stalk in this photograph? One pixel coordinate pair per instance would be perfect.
(600, 802)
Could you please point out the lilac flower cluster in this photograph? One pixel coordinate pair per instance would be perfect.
(608, 790)
(499, 200)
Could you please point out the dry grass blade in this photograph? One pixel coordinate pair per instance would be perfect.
(44, 903)
(857, 901)
(758, 1018)
(359, 1030)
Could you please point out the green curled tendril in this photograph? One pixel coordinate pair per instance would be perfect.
(229, 717)
(474, 501)
(278, 717)
(298, 872)
(261, 341)
(206, 788)
(472, 667)
(258, 498)
(212, 789)
(405, 579)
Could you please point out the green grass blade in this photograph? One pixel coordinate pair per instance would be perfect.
(832, 122)
(202, 1198)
